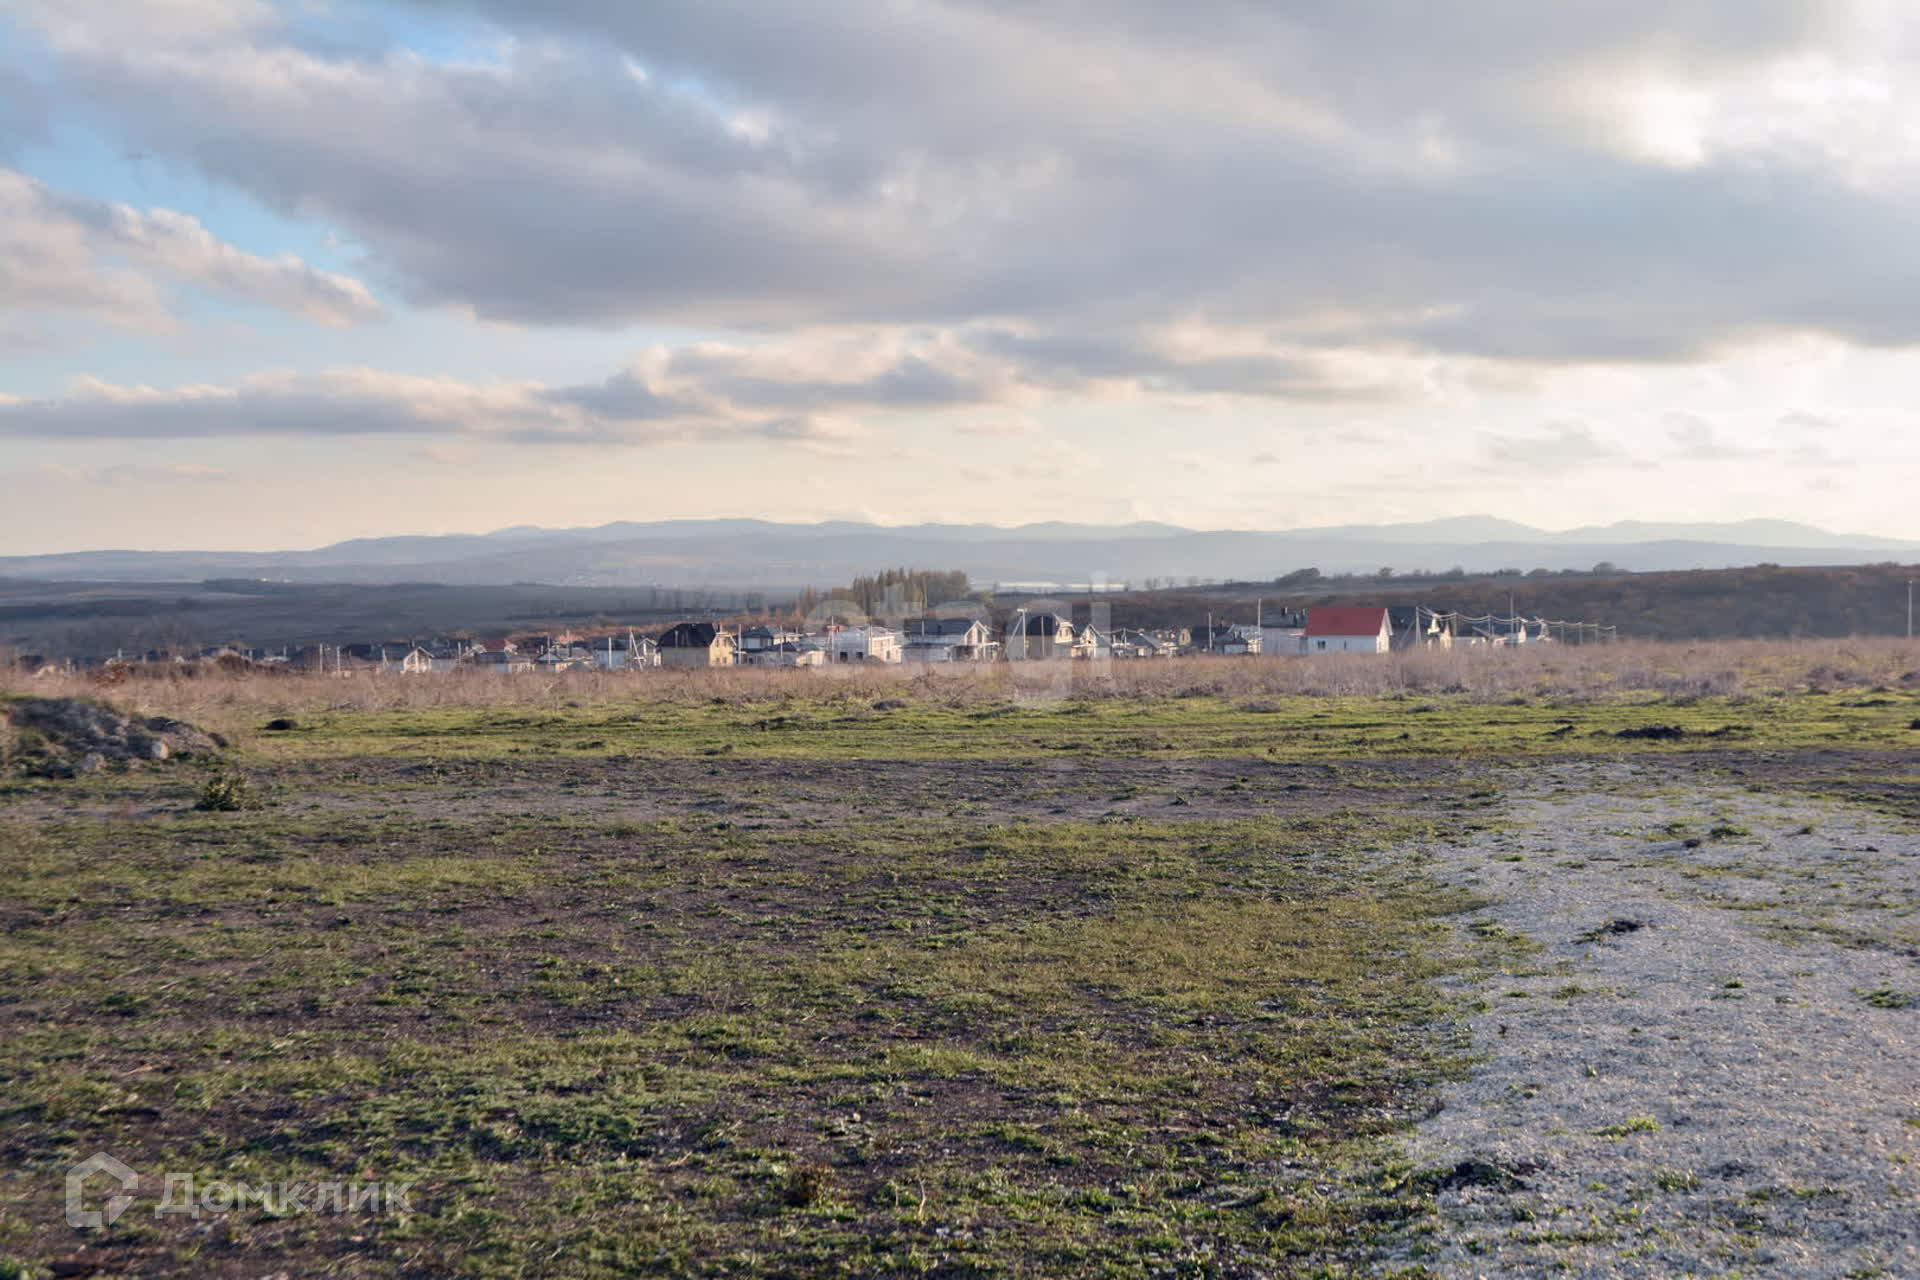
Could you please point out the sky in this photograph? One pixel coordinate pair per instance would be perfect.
(278, 274)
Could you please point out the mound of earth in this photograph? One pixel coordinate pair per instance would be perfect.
(63, 737)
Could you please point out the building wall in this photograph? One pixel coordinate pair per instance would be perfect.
(1275, 641)
(714, 655)
(1347, 644)
(865, 644)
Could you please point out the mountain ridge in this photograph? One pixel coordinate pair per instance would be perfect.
(764, 553)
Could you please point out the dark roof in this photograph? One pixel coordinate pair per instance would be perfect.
(1046, 624)
(939, 626)
(689, 635)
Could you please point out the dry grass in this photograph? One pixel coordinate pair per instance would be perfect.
(1731, 668)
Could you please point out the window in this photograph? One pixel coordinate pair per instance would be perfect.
(1321, 643)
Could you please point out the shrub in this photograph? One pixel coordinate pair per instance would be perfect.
(226, 792)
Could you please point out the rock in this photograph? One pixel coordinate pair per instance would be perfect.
(63, 737)
(280, 724)
(1613, 928)
(890, 704)
(1474, 1172)
(182, 737)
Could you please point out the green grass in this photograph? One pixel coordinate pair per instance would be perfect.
(835, 725)
(606, 1046)
(789, 986)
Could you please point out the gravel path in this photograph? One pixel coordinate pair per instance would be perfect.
(1730, 1088)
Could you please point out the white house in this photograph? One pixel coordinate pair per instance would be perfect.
(1279, 640)
(1348, 628)
(948, 640)
(787, 653)
(863, 644)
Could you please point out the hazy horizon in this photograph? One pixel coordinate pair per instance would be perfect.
(1626, 531)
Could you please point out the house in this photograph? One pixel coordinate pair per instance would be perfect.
(696, 644)
(1282, 641)
(863, 644)
(368, 655)
(1348, 628)
(444, 655)
(1417, 627)
(501, 662)
(1094, 644)
(1227, 638)
(1504, 631)
(948, 640)
(1141, 644)
(618, 653)
(415, 661)
(1283, 632)
(784, 653)
(565, 657)
(1040, 636)
(764, 637)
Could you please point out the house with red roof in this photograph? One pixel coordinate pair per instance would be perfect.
(1348, 628)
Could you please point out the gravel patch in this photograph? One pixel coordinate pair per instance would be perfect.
(1711, 1063)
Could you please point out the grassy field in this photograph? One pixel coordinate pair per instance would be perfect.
(725, 976)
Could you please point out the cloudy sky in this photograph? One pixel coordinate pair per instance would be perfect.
(274, 274)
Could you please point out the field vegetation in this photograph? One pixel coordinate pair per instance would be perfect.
(1009, 972)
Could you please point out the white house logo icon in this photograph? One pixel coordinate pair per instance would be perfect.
(99, 1162)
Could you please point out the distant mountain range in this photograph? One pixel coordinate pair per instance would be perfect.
(760, 554)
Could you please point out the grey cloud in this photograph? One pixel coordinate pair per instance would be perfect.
(319, 405)
(23, 112)
(1415, 171)
(628, 396)
(1696, 439)
(781, 393)
(1070, 361)
(1561, 445)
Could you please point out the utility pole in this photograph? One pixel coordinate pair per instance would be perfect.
(1909, 608)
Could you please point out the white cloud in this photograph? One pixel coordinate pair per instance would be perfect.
(131, 473)
(64, 252)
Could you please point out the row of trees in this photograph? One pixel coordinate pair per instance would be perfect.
(893, 591)
(1306, 579)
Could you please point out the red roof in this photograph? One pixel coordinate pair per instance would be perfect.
(1346, 620)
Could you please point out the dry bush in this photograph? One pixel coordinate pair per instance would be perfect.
(228, 701)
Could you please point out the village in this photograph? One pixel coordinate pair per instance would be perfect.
(948, 635)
